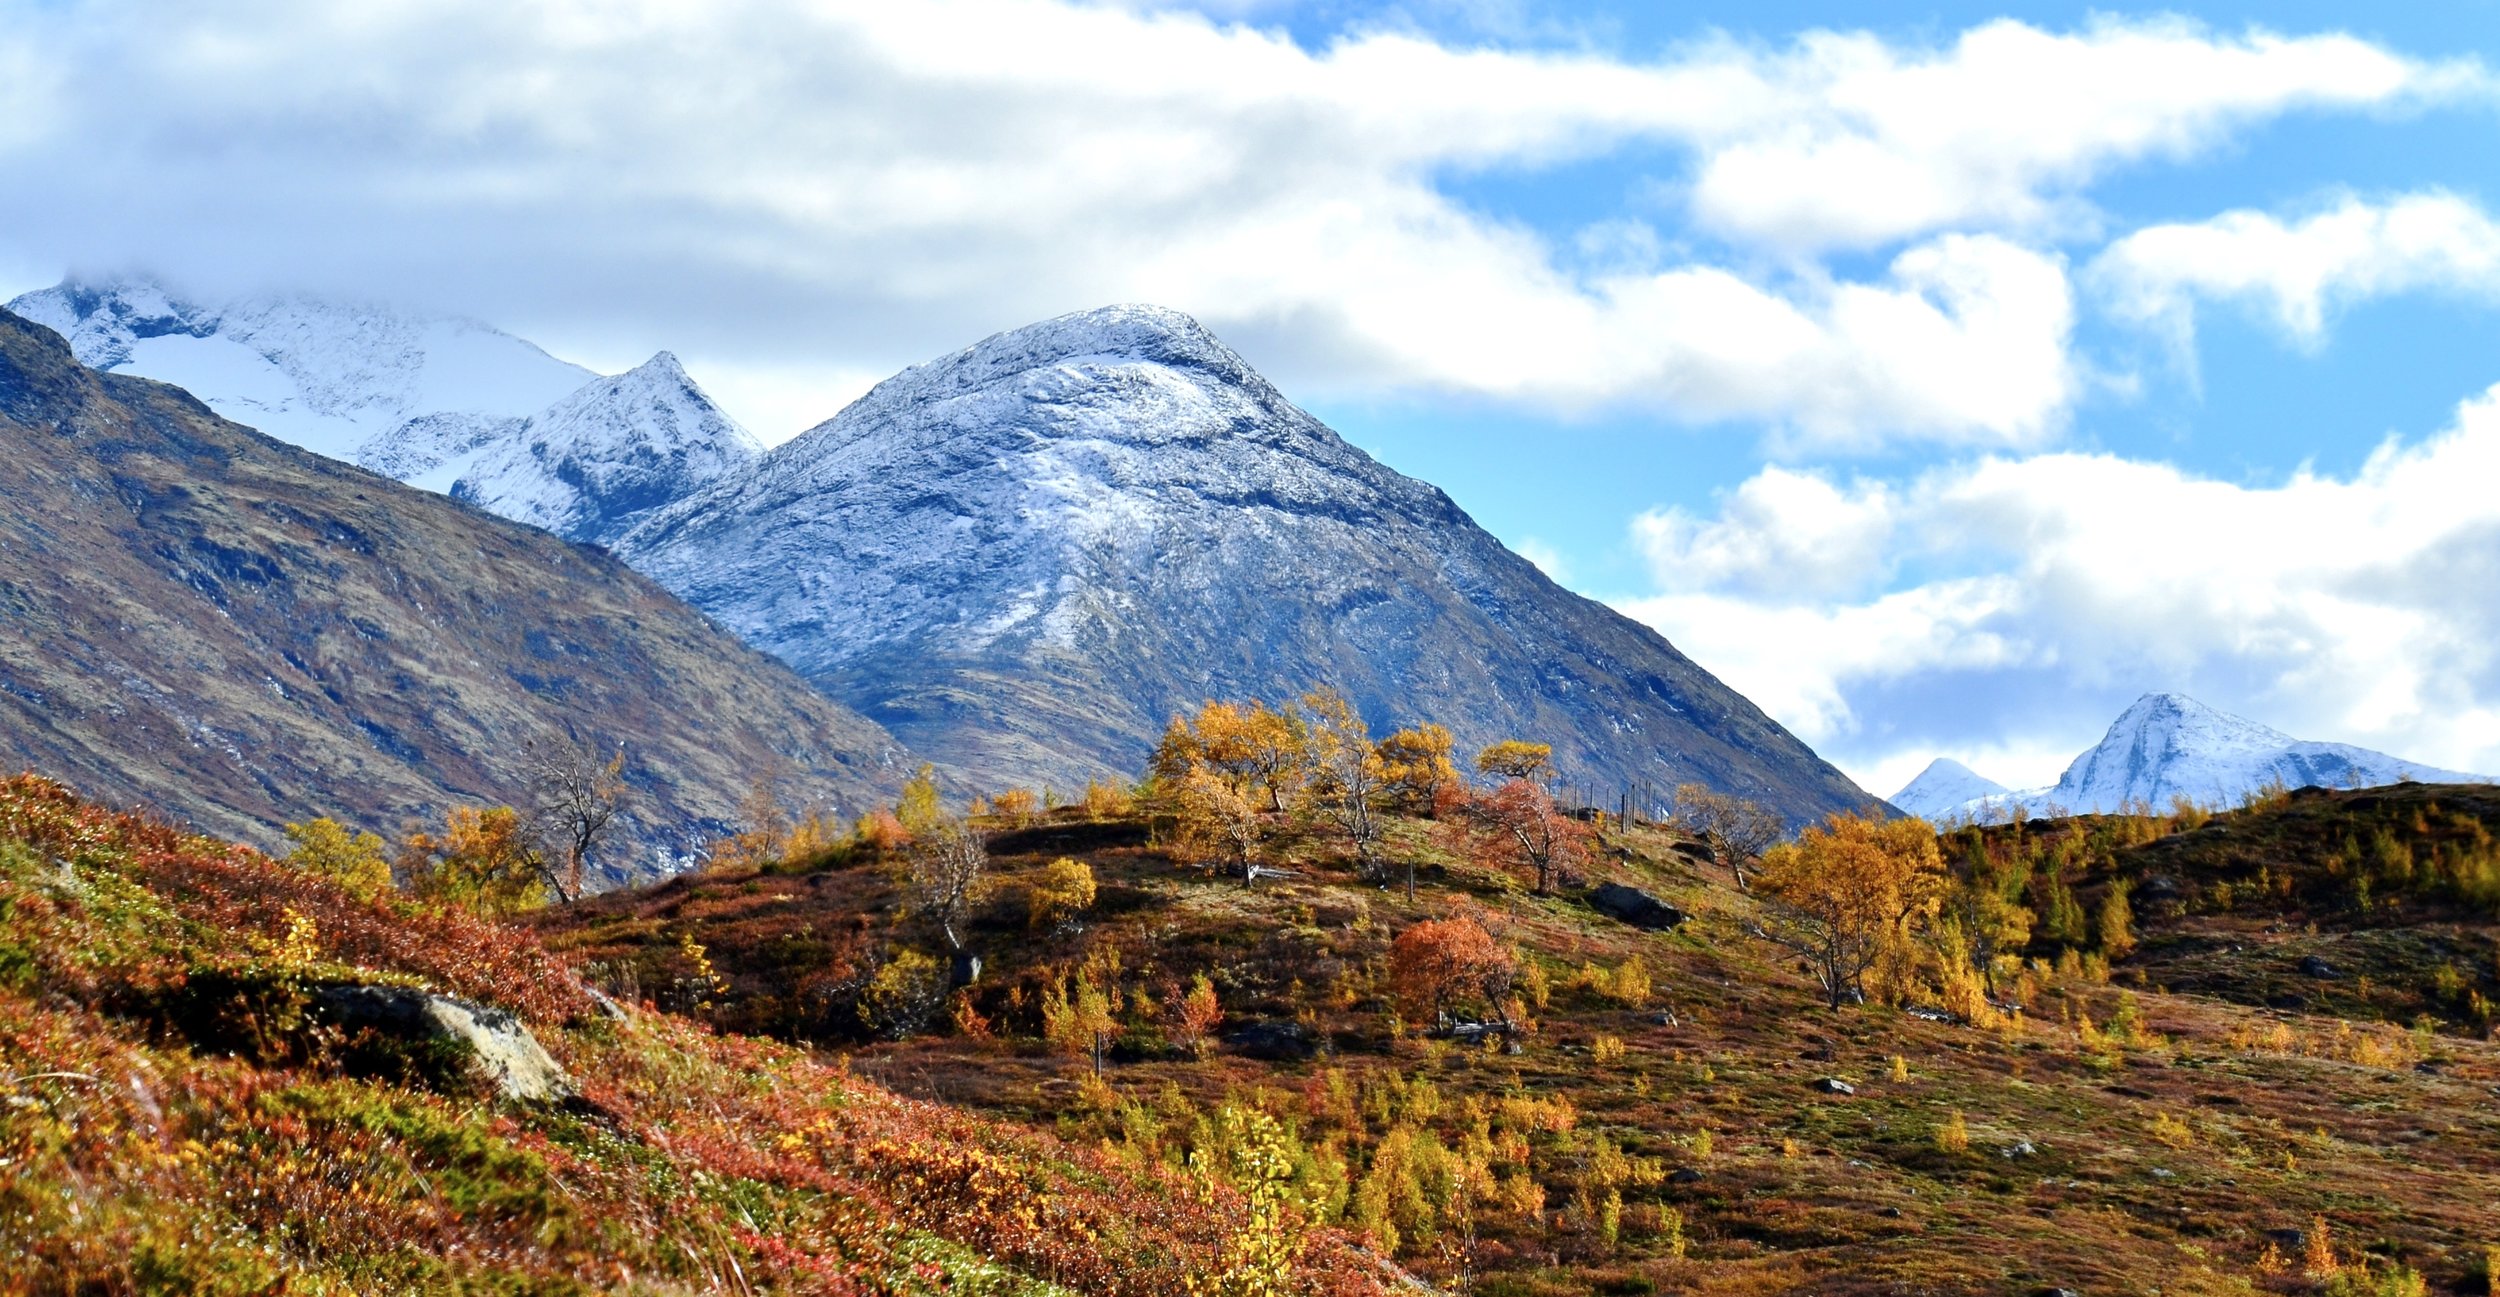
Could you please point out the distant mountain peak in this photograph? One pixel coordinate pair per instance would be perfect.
(2166, 746)
(1942, 788)
(592, 465)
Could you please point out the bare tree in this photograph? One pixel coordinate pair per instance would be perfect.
(1738, 831)
(575, 798)
(942, 876)
(1349, 777)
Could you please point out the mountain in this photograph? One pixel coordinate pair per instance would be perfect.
(1024, 558)
(242, 633)
(593, 464)
(399, 392)
(1942, 787)
(2168, 746)
(441, 403)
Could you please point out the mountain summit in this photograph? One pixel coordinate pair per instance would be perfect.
(1025, 557)
(593, 464)
(2167, 746)
(1943, 786)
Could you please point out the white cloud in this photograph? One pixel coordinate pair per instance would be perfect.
(811, 185)
(1547, 558)
(2363, 609)
(1854, 143)
(2297, 271)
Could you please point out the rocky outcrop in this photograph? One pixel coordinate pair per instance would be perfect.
(1635, 907)
(491, 1043)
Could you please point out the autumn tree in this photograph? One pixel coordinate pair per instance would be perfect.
(327, 849)
(1738, 830)
(942, 876)
(1849, 891)
(1517, 759)
(1518, 828)
(918, 811)
(482, 861)
(1981, 917)
(1259, 752)
(1417, 768)
(1017, 805)
(1080, 1009)
(1215, 822)
(1105, 799)
(576, 794)
(762, 835)
(1444, 964)
(1277, 750)
(2114, 927)
(904, 994)
(1063, 890)
(1349, 775)
(1255, 1154)
(1195, 1013)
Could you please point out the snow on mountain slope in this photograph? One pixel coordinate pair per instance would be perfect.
(445, 405)
(1943, 786)
(2168, 746)
(396, 391)
(1025, 557)
(593, 464)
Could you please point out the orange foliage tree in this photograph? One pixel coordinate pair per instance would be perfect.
(483, 861)
(1444, 964)
(1258, 752)
(1518, 828)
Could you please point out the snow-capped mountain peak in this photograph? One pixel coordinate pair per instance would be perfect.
(1025, 556)
(2168, 746)
(592, 465)
(441, 403)
(337, 378)
(1942, 788)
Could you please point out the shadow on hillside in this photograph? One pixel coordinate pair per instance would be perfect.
(1068, 839)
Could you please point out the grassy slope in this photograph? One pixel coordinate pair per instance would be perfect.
(169, 1121)
(2158, 1157)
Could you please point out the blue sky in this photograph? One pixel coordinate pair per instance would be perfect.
(1942, 376)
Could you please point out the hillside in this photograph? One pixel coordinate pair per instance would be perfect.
(1026, 557)
(183, 1109)
(2375, 904)
(1665, 1126)
(231, 630)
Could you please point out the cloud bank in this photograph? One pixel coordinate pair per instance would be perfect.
(801, 184)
